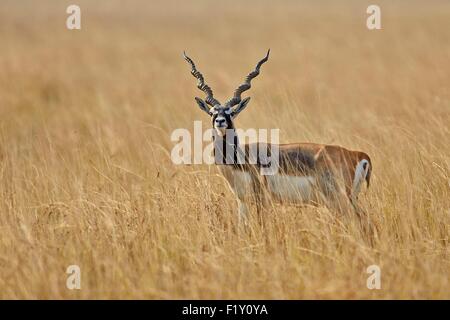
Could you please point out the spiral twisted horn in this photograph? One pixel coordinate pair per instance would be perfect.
(201, 83)
(246, 85)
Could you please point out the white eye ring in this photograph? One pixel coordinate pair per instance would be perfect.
(228, 111)
(214, 111)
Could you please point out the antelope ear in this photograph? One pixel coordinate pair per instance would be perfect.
(202, 104)
(241, 106)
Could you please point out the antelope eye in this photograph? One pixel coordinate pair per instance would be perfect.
(228, 111)
(215, 111)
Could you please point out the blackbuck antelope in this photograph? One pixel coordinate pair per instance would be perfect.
(307, 172)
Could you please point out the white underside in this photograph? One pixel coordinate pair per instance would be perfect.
(291, 188)
(285, 188)
(281, 187)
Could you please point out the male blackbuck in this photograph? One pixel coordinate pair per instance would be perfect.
(307, 172)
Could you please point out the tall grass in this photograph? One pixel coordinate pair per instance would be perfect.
(85, 170)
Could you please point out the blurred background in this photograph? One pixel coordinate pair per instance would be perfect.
(85, 123)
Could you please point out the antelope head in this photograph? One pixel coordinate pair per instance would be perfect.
(222, 115)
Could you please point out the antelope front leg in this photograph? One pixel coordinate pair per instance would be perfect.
(242, 212)
(261, 200)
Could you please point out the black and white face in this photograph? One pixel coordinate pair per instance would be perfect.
(222, 116)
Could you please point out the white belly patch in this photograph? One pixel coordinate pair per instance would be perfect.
(281, 187)
(291, 188)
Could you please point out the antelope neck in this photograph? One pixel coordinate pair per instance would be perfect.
(226, 148)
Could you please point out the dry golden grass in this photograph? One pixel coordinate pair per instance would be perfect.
(86, 176)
